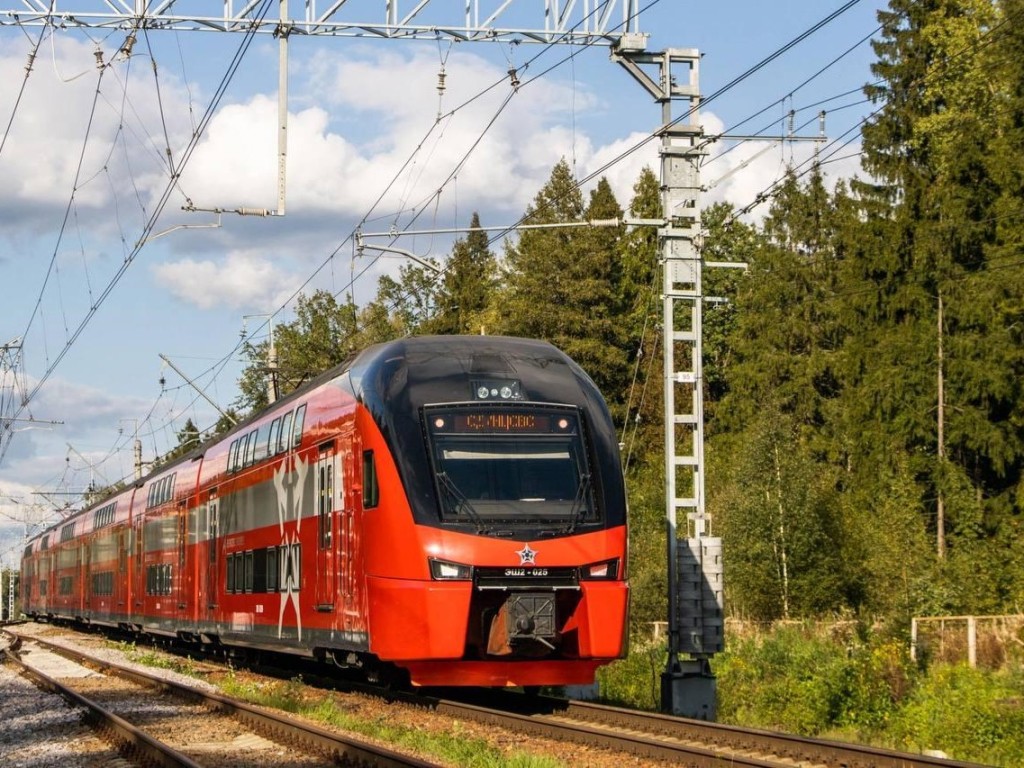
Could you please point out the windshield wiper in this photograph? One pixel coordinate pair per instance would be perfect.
(461, 502)
(579, 504)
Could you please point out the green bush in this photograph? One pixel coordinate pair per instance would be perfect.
(856, 685)
(636, 680)
(970, 714)
(785, 681)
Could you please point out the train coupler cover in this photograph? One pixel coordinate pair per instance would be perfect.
(521, 619)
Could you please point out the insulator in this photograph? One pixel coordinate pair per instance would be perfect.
(129, 43)
(440, 81)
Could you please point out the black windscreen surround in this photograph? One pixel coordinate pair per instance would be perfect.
(514, 463)
(568, 476)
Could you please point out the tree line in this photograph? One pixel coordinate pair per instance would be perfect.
(863, 383)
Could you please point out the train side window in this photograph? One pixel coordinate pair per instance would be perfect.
(212, 525)
(325, 503)
(286, 433)
(371, 489)
(300, 418)
(231, 573)
(240, 455)
(262, 440)
(291, 567)
(249, 571)
(272, 569)
(259, 570)
(275, 436)
(232, 455)
(250, 448)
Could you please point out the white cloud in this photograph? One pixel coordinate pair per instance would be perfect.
(624, 173)
(355, 120)
(39, 460)
(241, 280)
(68, 143)
(236, 163)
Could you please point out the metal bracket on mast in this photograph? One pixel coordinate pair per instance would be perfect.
(694, 564)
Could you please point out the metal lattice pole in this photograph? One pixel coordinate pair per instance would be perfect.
(694, 563)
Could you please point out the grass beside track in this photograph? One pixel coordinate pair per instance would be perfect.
(454, 745)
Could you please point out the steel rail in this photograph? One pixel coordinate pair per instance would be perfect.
(649, 734)
(135, 741)
(799, 748)
(341, 748)
(771, 747)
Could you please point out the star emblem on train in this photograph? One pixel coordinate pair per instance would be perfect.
(527, 556)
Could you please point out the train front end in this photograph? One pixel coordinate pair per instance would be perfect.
(512, 569)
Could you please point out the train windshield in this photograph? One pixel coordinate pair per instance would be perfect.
(511, 465)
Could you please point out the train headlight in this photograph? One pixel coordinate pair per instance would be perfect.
(606, 570)
(443, 570)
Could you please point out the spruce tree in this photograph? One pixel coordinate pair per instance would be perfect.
(468, 284)
(560, 282)
(921, 374)
(772, 484)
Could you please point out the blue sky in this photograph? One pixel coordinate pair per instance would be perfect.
(357, 111)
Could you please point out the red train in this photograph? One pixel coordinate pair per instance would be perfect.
(448, 506)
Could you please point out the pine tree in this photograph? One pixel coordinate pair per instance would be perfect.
(188, 438)
(772, 483)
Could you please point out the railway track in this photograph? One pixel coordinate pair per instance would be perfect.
(649, 736)
(689, 742)
(159, 722)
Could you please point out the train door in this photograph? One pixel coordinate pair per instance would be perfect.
(138, 580)
(349, 544)
(121, 583)
(181, 584)
(326, 479)
(210, 590)
(84, 591)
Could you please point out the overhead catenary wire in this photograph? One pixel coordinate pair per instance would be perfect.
(357, 275)
(24, 82)
(719, 92)
(986, 38)
(454, 175)
(151, 221)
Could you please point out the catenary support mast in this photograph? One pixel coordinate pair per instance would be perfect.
(694, 563)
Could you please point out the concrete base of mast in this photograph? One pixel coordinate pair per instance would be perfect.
(689, 689)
